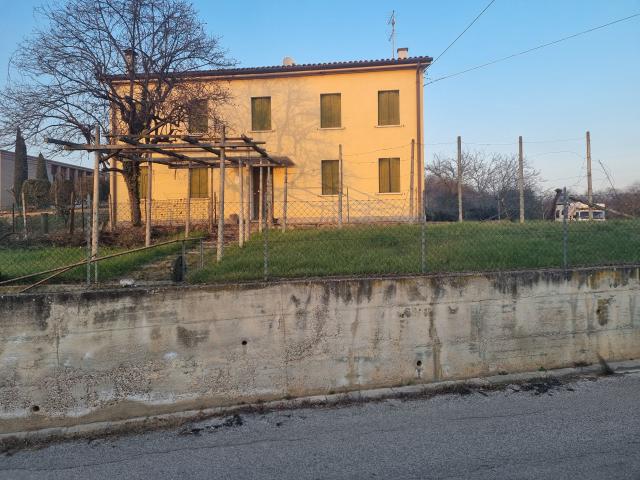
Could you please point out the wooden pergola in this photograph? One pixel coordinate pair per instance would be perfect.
(186, 151)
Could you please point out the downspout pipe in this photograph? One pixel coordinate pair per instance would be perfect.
(420, 67)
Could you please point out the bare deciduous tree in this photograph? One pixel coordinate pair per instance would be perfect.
(121, 64)
(487, 178)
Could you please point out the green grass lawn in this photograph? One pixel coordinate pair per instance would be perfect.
(16, 262)
(366, 250)
(388, 249)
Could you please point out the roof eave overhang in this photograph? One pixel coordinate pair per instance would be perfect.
(279, 73)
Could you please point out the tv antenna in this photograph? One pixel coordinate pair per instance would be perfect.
(392, 37)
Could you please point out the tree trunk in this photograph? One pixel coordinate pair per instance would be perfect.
(131, 174)
(134, 199)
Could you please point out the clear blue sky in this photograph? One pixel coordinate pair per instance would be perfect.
(588, 83)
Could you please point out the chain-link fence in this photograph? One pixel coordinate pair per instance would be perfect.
(380, 238)
(53, 246)
(299, 239)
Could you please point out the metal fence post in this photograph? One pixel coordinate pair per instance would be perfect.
(266, 203)
(423, 227)
(565, 228)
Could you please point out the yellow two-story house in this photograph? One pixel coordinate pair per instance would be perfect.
(370, 110)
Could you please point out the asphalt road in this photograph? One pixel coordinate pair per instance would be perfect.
(588, 429)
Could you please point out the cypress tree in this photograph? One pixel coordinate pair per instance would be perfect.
(20, 167)
(41, 169)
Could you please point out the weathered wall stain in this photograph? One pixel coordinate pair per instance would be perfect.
(93, 356)
(602, 310)
(191, 338)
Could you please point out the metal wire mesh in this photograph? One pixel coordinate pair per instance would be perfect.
(380, 236)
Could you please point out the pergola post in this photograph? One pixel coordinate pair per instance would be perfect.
(220, 243)
(187, 220)
(211, 201)
(269, 203)
(113, 195)
(340, 185)
(149, 204)
(284, 199)
(250, 201)
(260, 199)
(96, 200)
(241, 207)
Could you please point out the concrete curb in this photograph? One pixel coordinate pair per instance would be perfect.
(174, 420)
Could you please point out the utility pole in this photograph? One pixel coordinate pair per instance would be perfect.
(589, 178)
(459, 178)
(521, 178)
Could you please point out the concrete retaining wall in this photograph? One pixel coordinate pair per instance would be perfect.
(68, 359)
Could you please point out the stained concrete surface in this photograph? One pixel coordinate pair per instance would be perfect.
(69, 359)
(588, 429)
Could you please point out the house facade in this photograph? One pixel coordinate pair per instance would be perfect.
(369, 113)
(54, 170)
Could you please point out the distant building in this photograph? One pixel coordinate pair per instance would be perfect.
(54, 169)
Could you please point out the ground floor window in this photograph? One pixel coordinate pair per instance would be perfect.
(199, 183)
(330, 177)
(389, 175)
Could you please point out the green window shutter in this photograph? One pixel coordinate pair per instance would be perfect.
(260, 113)
(330, 174)
(199, 185)
(389, 175)
(330, 110)
(143, 180)
(383, 175)
(394, 175)
(198, 116)
(389, 107)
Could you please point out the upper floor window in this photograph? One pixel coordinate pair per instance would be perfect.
(198, 116)
(330, 177)
(260, 113)
(389, 107)
(199, 184)
(389, 175)
(330, 110)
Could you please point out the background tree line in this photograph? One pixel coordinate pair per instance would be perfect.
(489, 187)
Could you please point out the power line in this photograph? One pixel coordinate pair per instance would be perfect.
(533, 49)
(461, 34)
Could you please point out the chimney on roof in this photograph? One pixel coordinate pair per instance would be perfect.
(288, 62)
(130, 60)
(403, 53)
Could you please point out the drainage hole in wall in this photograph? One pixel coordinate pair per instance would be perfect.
(244, 342)
(35, 408)
(419, 363)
